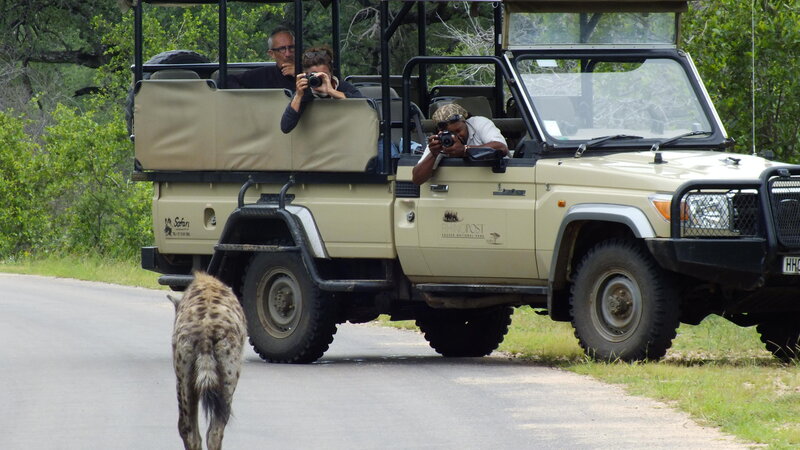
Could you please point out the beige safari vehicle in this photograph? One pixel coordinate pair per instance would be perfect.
(620, 210)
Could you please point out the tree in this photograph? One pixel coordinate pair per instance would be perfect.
(36, 35)
(717, 34)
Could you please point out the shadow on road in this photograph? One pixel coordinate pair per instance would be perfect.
(402, 360)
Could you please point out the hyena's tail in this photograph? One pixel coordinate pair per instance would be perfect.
(209, 386)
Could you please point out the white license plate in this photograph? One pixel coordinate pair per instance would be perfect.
(791, 265)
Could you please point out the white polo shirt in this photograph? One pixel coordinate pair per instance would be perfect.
(481, 131)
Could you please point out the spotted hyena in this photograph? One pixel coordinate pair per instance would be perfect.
(207, 353)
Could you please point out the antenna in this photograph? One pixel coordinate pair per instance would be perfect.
(753, 67)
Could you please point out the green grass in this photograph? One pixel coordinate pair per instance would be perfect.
(85, 267)
(716, 371)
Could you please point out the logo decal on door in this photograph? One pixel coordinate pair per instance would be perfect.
(451, 216)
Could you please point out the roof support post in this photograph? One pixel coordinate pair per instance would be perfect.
(386, 122)
(335, 34)
(223, 43)
(298, 36)
(137, 42)
(498, 52)
(422, 50)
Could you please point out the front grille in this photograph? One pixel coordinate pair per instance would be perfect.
(785, 198)
(715, 213)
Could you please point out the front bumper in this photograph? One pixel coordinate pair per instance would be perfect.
(737, 263)
(760, 226)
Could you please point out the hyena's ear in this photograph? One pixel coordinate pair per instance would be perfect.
(175, 300)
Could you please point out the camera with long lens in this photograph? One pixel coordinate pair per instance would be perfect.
(447, 139)
(314, 80)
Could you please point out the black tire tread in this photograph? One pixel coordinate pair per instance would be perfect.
(456, 333)
(781, 336)
(322, 323)
(665, 316)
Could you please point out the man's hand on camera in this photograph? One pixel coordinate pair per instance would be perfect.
(458, 149)
(435, 144)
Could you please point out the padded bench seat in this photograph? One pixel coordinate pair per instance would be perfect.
(189, 125)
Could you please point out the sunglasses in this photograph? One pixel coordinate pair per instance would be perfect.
(318, 53)
(284, 49)
(452, 119)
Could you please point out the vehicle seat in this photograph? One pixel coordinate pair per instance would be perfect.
(372, 90)
(175, 74)
(476, 106)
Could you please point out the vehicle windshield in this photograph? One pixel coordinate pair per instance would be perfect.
(582, 99)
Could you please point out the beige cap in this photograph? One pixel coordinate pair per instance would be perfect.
(444, 112)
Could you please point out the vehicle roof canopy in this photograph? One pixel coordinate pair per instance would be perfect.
(596, 5)
(516, 5)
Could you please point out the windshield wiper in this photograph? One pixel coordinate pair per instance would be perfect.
(672, 140)
(597, 141)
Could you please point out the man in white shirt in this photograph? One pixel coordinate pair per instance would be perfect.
(466, 131)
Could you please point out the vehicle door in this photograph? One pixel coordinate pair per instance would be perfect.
(467, 222)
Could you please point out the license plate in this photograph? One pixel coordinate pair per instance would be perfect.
(791, 265)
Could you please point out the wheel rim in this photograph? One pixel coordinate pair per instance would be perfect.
(280, 303)
(617, 306)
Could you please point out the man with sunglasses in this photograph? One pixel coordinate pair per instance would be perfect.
(281, 75)
(465, 131)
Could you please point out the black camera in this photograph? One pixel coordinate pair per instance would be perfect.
(447, 139)
(314, 80)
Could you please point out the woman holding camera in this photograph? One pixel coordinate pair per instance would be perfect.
(317, 80)
(458, 131)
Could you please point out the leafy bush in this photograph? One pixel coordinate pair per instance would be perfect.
(21, 218)
(71, 192)
(93, 202)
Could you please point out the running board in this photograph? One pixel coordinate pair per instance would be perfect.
(435, 288)
(180, 281)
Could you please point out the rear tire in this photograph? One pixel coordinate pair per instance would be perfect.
(465, 333)
(623, 305)
(781, 336)
(288, 318)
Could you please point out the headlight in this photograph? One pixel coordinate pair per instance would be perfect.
(708, 211)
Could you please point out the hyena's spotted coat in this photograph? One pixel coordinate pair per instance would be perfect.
(207, 347)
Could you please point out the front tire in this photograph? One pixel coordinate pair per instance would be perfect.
(465, 333)
(623, 306)
(288, 318)
(781, 336)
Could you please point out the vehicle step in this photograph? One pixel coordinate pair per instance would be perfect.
(482, 288)
(256, 248)
(175, 280)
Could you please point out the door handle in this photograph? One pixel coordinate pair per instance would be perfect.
(439, 188)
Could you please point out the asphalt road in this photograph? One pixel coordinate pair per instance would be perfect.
(88, 366)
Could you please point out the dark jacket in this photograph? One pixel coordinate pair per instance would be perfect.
(268, 77)
(291, 117)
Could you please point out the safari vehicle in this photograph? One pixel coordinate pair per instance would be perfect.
(620, 210)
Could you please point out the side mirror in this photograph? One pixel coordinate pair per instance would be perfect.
(767, 154)
(483, 154)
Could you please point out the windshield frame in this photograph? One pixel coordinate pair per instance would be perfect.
(717, 139)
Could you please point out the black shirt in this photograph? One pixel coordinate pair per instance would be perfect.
(268, 77)
(291, 117)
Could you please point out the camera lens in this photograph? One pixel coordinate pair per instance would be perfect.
(313, 80)
(446, 138)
